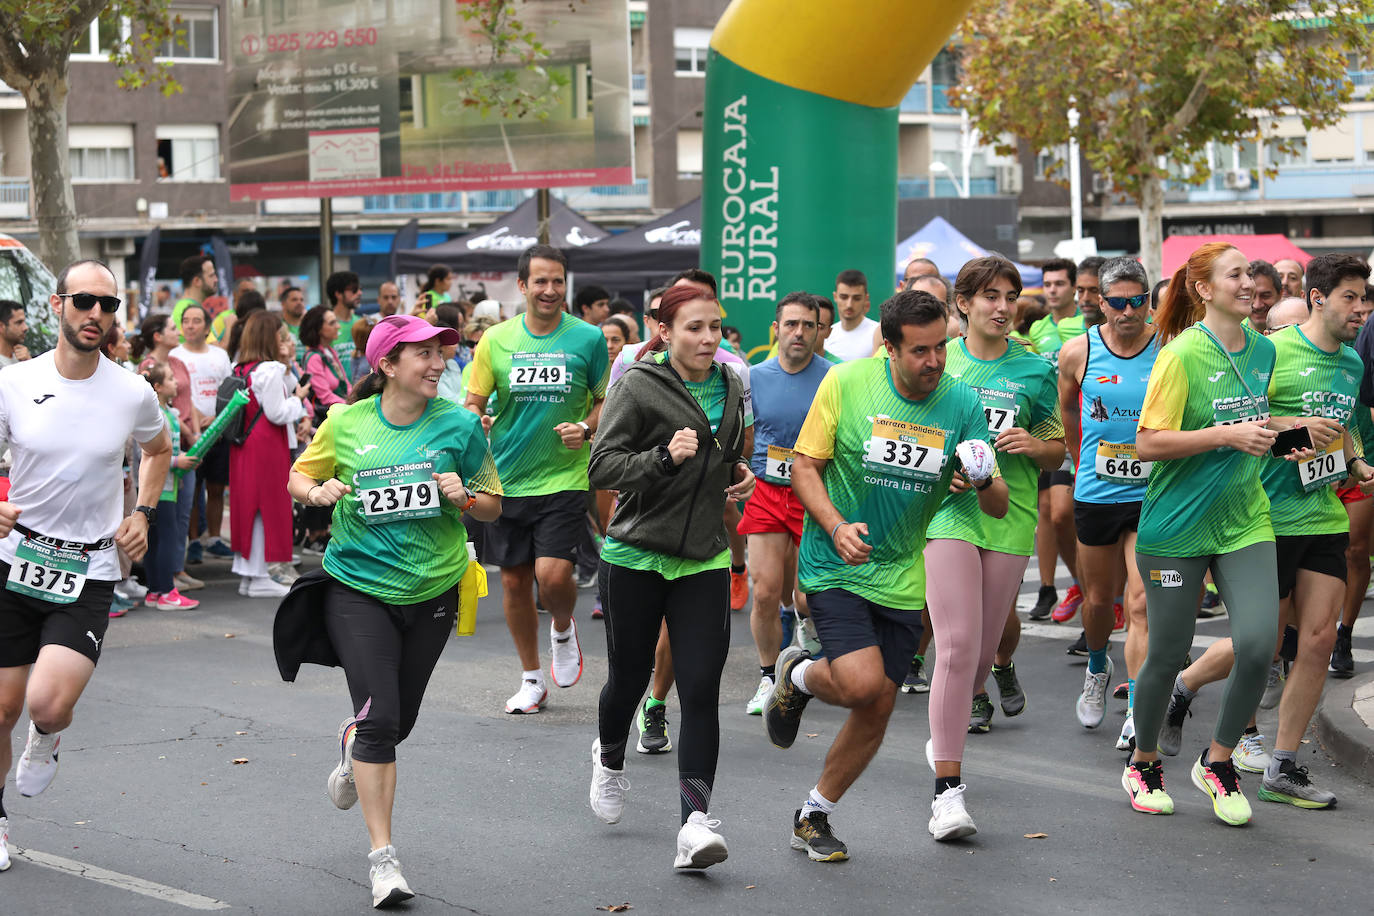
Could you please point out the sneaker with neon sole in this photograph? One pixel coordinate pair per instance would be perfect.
(176, 601)
(1065, 610)
(1144, 784)
(1220, 782)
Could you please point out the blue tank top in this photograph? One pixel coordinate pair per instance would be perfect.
(1112, 393)
(781, 403)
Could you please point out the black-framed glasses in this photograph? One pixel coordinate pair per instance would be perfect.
(1121, 302)
(84, 302)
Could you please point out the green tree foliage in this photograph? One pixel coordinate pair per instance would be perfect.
(1155, 81)
(37, 38)
(513, 83)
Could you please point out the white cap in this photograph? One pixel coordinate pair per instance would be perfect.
(489, 308)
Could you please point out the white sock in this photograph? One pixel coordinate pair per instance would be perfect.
(817, 802)
(536, 675)
(558, 634)
(799, 676)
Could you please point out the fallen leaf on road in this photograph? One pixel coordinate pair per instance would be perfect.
(79, 823)
(1037, 836)
(813, 734)
(750, 887)
(240, 733)
(616, 907)
(228, 635)
(1054, 879)
(238, 760)
(205, 784)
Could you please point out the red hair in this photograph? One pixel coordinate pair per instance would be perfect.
(1182, 307)
(674, 299)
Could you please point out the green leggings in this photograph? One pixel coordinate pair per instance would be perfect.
(1248, 583)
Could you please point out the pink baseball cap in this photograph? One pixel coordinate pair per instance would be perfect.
(395, 330)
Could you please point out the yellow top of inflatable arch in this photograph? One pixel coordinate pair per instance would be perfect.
(868, 52)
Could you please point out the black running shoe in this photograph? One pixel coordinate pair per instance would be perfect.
(980, 719)
(1012, 697)
(1342, 657)
(653, 730)
(783, 711)
(1044, 602)
(812, 833)
(1171, 732)
(1080, 645)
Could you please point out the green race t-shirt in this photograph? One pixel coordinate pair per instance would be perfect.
(1018, 388)
(1213, 502)
(710, 394)
(539, 381)
(1048, 335)
(395, 537)
(889, 462)
(1310, 382)
(343, 344)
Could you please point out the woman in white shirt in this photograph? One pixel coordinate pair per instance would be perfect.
(259, 506)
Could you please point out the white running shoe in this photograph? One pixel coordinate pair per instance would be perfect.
(388, 884)
(565, 662)
(131, 589)
(698, 844)
(755, 705)
(343, 792)
(1250, 755)
(1092, 702)
(262, 587)
(608, 788)
(527, 699)
(4, 844)
(809, 640)
(38, 763)
(948, 818)
(1126, 741)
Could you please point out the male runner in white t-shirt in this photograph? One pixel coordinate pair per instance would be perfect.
(852, 336)
(66, 416)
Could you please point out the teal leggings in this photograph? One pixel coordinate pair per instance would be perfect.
(1248, 583)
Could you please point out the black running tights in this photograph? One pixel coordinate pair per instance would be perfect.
(697, 609)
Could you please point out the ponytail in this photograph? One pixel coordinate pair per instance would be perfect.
(1181, 307)
(368, 386)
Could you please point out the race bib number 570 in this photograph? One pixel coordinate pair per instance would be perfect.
(905, 449)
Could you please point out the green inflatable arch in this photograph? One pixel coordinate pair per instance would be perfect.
(800, 145)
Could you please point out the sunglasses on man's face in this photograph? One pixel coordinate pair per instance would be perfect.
(84, 302)
(1121, 302)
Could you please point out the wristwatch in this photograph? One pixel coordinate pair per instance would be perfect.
(472, 499)
(148, 512)
(665, 460)
(586, 431)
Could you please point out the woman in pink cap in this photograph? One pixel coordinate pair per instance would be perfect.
(400, 466)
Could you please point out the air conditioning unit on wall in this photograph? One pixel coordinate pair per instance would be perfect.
(1009, 179)
(122, 247)
(1237, 180)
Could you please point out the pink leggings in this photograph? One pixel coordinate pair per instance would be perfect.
(968, 592)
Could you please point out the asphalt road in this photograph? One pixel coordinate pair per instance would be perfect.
(153, 812)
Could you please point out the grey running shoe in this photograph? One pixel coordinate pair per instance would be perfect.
(812, 834)
(783, 711)
(980, 719)
(1273, 687)
(1012, 697)
(916, 679)
(1294, 787)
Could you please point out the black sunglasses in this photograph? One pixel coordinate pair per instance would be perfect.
(84, 302)
(1120, 302)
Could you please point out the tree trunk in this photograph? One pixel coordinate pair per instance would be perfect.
(54, 206)
(1151, 224)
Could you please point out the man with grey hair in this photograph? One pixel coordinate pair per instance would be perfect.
(1291, 273)
(1268, 287)
(1102, 379)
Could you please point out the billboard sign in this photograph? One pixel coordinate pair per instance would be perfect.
(339, 98)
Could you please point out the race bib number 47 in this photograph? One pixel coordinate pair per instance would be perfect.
(1000, 409)
(903, 449)
(49, 573)
(398, 492)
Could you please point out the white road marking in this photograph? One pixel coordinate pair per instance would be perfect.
(124, 882)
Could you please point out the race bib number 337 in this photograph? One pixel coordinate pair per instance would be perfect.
(905, 450)
(398, 492)
(49, 573)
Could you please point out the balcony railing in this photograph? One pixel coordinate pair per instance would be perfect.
(639, 88)
(14, 198)
(944, 187)
(604, 197)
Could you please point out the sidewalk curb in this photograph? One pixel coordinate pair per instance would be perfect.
(1346, 736)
